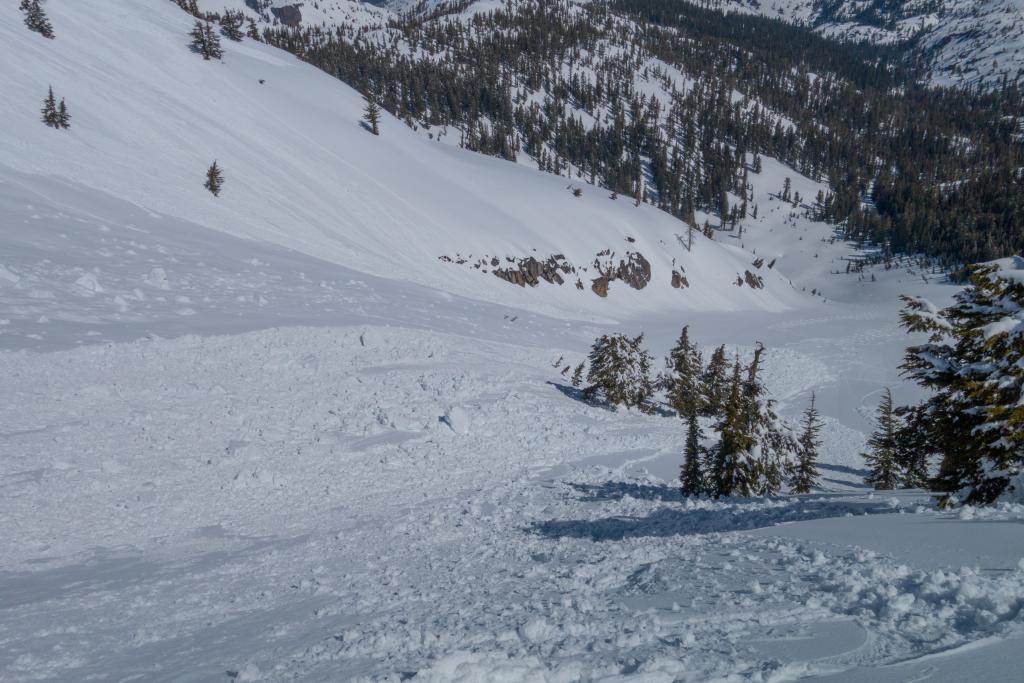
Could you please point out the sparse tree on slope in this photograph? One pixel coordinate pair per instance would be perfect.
(50, 114)
(214, 179)
(231, 25)
(804, 474)
(36, 19)
(372, 114)
(620, 370)
(63, 116)
(881, 457)
(691, 476)
(205, 41)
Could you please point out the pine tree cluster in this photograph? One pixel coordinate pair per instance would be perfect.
(55, 115)
(36, 19)
(756, 453)
(205, 40)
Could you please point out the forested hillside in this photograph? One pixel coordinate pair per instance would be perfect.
(674, 103)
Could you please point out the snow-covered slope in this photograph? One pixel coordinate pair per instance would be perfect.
(356, 461)
(149, 116)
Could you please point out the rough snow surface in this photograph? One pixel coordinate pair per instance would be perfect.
(269, 437)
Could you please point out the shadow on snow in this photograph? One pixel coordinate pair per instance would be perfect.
(699, 516)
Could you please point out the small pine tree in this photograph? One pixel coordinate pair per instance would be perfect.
(715, 381)
(881, 459)
(214, 179)
(682, 381)
(372, 114)
(205, 41)
(620, 370)
(36, 19)
(50, 114)
(63, 116)
(577, 375)
(913, 447)
(804, 474)
(691, 477)
(231, 25)
(735, 440)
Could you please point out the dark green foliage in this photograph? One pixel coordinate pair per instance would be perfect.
(54, 115)
(881, 457)
(728, 473)
(620, 372)
(577, 375)
(682, 377)
(231, 25)
(214, 179)
(973, 363)
(804, 472)
(371, 115)
(36, 19)
(755, 448)
(715, 381)
(205, 41)
(913, 447)
(63, 116)
(691, 477)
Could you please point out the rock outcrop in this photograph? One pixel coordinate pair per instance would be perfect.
(289, 15)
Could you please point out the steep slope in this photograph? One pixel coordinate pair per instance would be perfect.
(149, 116)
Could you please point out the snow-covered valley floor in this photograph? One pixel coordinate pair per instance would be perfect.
(429, 500)
(330, 503)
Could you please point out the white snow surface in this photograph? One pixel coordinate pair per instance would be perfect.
(270, 437)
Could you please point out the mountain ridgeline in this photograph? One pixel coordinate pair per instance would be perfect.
(674, 104)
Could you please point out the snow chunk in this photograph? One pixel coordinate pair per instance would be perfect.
(458, 419)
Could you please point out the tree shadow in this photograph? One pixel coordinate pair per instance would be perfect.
(575, 394)
(714, 517)
(856, 471)
(617, 490)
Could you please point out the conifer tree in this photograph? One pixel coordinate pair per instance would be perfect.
(36, 19)
(577, 375)
(50, 114)
(804, 473)
(63, 116)
(881, 458)
(715, 381)
(913, 447)
(691, 476)
(231, 25)
(620, 371)
(973, 363)
(682, 379)
(205, 41)
(726, 472)
(214, 179)
(372, 114)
